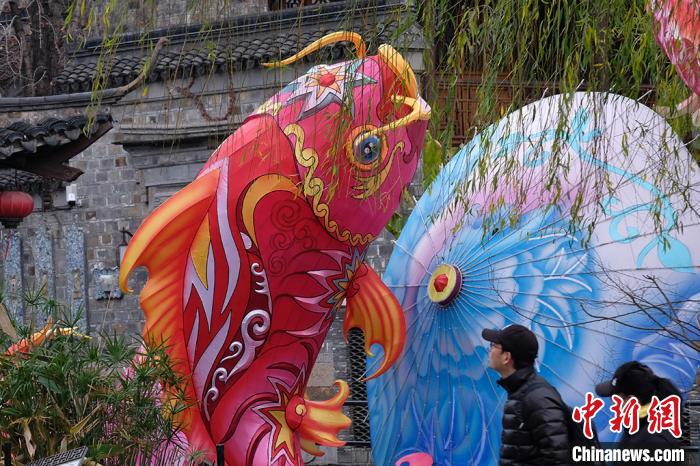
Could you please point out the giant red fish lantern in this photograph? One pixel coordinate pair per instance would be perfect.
(249, 263)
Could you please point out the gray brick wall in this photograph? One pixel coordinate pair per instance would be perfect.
(139, 15)
(110, 196)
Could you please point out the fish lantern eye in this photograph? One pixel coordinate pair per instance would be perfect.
(367, 149)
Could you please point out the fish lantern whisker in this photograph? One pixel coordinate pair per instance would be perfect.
(341, 36)
(418, 112)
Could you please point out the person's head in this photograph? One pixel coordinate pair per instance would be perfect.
(512, 347)
(638, 380)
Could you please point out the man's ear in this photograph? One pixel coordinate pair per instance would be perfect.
(508, 359)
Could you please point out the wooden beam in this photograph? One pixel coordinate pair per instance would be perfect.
(47, 170)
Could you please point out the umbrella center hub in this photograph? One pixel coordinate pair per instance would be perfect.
(441, 282)
(444, 284)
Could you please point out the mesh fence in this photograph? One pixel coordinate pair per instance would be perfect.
(690, 423)
(356, 406)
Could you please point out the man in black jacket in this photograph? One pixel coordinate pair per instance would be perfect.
(535, 428)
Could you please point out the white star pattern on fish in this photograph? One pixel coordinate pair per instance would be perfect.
(324, 84)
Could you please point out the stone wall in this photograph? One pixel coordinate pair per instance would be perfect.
(66, 249)
(139, 15)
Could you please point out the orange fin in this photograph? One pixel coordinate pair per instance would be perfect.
(161, 244)
(169, 230)
(322, 420)
(375, 310)
(26, 344)
(310, 447)
(49, 331)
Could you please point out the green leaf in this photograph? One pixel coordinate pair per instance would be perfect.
(105, 450)
(432, 159)
(50, 385)
(396, 224)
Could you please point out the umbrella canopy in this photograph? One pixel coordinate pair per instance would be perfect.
(492, 242)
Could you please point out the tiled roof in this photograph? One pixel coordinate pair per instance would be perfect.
(229, 53)
(32, 155)
(27, 138)
(14, 179)
(244, 44)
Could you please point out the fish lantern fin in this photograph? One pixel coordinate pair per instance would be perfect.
(310, 447)
(161, 244)
(375, 310)
(690, 106)
(319, 422)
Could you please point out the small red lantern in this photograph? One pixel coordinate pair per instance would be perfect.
(14, 206)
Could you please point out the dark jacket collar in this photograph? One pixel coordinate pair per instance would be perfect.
(515, 380)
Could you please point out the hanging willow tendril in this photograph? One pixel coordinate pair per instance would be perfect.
(512, 52)
(502, 54)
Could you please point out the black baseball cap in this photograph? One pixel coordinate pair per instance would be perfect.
(631, 378)
(518, 340)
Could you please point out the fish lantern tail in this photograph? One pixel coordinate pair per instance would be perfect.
(375, 310)
(161, 244)
(328, 39)
(321, 421)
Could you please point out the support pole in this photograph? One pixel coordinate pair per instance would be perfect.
(7, 453)
(220, 455)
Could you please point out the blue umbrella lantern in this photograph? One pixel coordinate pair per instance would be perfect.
(565, 217)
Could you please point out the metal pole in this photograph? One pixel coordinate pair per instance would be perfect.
(7, 453)
(220, 455)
